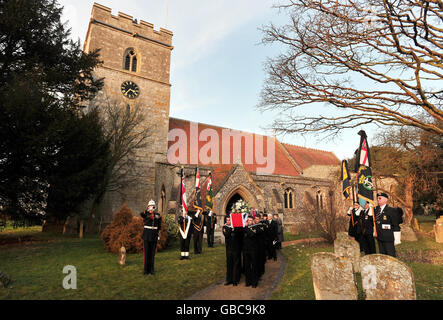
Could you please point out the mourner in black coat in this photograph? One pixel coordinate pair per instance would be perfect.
(152, 226)
(185, 223)
(233, 268)
(272, 238)
(210, 223)
(261, 253)
(386, 222)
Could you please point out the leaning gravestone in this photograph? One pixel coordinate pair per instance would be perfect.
(438, 230)
(386, 278)
(333, 277)
(346, 247)
(407, 233)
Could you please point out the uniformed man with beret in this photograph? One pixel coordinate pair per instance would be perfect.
(152, 226)
(386, 222)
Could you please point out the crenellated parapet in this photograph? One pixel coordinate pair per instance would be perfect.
(126, 23)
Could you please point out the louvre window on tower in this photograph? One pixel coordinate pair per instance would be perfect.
(130, 60)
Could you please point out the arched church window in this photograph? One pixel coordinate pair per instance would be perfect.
(289, 198)
(130, 60)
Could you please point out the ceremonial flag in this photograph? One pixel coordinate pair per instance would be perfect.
(345, 178)
(183, 191)
(209, 204)
(365, 187)
(363, 157)
(198, 199)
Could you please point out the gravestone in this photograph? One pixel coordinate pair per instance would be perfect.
(333, 277)
(438, 230)
(122, 259)
(407, 234)
(386, 278)
(346, 247)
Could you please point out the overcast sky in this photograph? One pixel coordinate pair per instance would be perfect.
(217, 63)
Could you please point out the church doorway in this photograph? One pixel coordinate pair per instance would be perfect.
(231, 201)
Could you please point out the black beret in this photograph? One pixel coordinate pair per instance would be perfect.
(382, 194)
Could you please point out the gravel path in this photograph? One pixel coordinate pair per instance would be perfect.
(273, 273)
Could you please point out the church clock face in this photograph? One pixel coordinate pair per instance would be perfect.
(130, 90)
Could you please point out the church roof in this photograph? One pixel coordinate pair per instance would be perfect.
(289, 160)
(306, 157)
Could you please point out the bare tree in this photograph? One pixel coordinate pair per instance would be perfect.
(373, 61)
(124, 129)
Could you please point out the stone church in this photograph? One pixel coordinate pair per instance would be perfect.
(272, 176)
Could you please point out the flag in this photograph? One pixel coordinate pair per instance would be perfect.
(209, 204)
(365, 187)
(346, 179)
(183, 191)
(198, 199)
(363, 157)
(237, 220)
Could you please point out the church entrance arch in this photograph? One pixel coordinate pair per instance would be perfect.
(236, 194)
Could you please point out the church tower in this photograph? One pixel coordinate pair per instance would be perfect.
(136, 66)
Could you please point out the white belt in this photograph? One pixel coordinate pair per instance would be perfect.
(149, 227)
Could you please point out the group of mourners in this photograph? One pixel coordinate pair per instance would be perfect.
(382, 223)
(248, 248)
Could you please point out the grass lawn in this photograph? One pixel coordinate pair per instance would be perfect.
(36, 271)
(297, 280)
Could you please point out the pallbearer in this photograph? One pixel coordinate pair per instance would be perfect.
(233, 259)
(250, 247)
(152, 225)
(261, 253)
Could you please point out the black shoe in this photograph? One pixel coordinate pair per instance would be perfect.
(181, 258)
(228, 283)
(235, 284)
(248, 284)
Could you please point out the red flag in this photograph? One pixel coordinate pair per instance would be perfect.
(237, 220)
(183, 194)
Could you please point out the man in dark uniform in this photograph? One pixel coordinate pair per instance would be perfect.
(152, 225)
(261, 253)
(386, 222)
(210, 223)
(184, 224)
(272, 238)
(232, 253)
(355, 224)
(197, 231)
(250, 253)
(367, 224)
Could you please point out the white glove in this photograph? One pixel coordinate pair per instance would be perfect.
(349, 211)
(397, 237)
(204, 229)
(158, 238)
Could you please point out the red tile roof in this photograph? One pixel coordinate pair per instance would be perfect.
(283, 165)
(306, 157)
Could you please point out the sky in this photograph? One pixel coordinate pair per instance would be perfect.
(217, 65)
